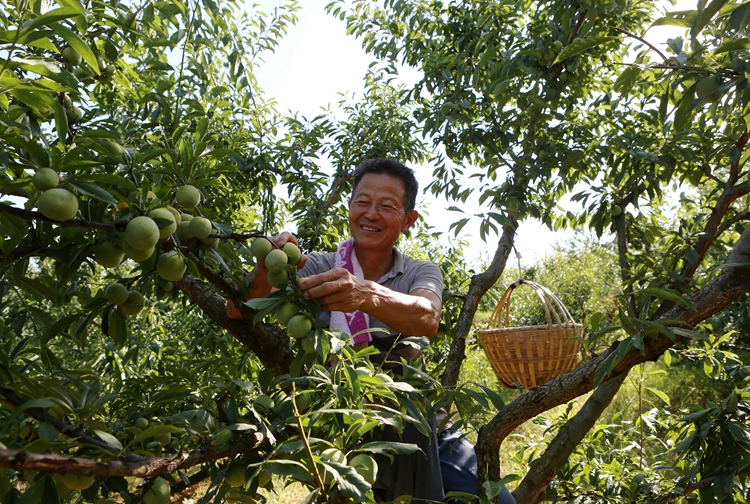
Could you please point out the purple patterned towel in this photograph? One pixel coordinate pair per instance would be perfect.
(350, 323)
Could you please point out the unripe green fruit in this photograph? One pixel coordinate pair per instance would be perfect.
(135, 254)
(615, 210)
(142, 423)
(164, 439)
(308, 345)
(72, 56)
(45, 178)
(142, 233)
(260, 247)
(221, 436)
(200, 227)
(72, 234)
(108, 254)
(171, 266)
(58, 204)
(158, 492)
(303, 401)
(299, 326)
(331, 455)
(235, 475)
(168, 286)
(286, 311)
(210, 243)
(706, 88)
(264, 478)
(108, 71)
(513, 206)
(175, 214)
(188, 196)
(366, 466)
(135, 196)
(292, 252)
(74, 114)
(185, 217)
(165, 230)
(278, 279)
(116, 293)
(182, 233)
(133, 304)
(276, 260)
(77, 481)
(263, 403)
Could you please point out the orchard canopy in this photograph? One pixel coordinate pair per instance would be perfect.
(139, 159)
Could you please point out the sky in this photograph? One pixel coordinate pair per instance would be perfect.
(317, 61)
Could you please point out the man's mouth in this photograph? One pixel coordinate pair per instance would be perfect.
(370, 229)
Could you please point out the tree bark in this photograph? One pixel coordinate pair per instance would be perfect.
(147, 468)
(478, 287)
(733, 281)
(268, 341)
(544, 469)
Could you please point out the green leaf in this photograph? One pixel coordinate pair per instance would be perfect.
(683, 19)
(660, 394)
(52, 16)
(118, 327)
(627, 79)
(733, 45)
(78, 44)
(95, 191)
(108, 438)
(706, 15)
(669, 295)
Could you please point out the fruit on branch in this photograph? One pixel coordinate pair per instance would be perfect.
(292, 252)
(188, 196)
(182, 233)
(707, 88)
(158, 492)
(264, 477)
(200, 227)
(136, 254)
(71, 56)
(307, 344)
(221, 436)
(134, 304)
(142, 233)
(278, 279)
(276, 260)
(286, 311)
(210, 243)
(45, 178)
(58, 204)
(108, 254)
(366, 466)
(77, 481)
(260, 247)
(299, 326)
(116, 293)
(175, 214)
(263, 403)
(135, 196)
(171, 266)
(331, 455)
(235, 475)
(165, 229)
(142, 423)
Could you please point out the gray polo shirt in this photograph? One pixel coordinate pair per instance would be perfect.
(406, 275)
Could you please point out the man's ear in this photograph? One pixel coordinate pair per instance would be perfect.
(411, 218)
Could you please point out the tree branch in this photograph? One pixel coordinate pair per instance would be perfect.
(21, 460)
(479, 285)
(31, 215)
(268, 341)
(543, 470)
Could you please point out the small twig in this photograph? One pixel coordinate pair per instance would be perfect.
(641, 39)
(305, 441)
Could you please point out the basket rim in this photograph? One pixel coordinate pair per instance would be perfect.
(573, 325)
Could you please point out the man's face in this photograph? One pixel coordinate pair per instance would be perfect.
(376, 211)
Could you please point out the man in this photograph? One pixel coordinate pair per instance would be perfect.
(369, 277)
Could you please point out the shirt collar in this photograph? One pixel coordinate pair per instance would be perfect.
(397, 268)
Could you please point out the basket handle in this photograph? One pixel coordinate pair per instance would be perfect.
(550, 302)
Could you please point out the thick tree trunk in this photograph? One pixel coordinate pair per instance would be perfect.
(268, 341)
(713, 297)
(478, 287)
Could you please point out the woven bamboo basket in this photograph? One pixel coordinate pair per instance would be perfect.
(530, 355)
